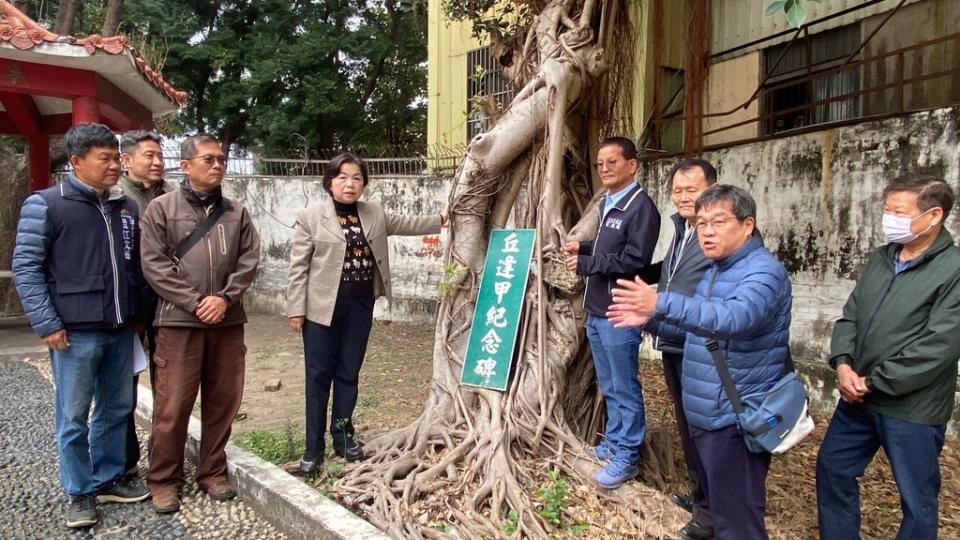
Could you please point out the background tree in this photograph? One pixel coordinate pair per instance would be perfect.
(341, 73)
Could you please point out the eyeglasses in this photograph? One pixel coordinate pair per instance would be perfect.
(715, 224)
(209, 160)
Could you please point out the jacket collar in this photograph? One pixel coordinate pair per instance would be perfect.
(74, 189)
(194, 198)
(753, 243)
(943, 242)
(128, 183)
(332, 224)
(627, 198)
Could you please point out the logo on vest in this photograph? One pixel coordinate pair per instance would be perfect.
(614, 223)
(128, 228)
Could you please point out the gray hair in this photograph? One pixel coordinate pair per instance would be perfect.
(741, 202)
(130, 139)
(188, 148)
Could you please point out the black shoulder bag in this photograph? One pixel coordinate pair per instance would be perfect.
(218, 210)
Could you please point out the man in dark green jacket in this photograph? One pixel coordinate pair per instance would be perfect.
(895, 351)
(142, 181)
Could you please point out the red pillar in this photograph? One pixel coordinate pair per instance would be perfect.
(39, 162)
(85, 109)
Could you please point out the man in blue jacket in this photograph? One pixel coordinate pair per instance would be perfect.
(76, 267)
(680, 272)
(629, 226)
(743, 301)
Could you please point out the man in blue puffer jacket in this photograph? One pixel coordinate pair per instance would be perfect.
(743, 301)
(76, 267)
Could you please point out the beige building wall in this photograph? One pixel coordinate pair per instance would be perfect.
(447, 46)
(729, 85)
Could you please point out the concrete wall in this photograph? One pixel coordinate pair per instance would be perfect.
(819, 199)
(415, 262)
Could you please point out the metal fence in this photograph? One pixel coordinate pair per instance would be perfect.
(256, 166)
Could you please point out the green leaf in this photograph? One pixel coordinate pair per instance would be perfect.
(796, 15)
(774, 7)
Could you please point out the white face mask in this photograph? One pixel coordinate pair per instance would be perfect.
(897, 229)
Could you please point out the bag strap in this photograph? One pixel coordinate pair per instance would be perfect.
(725, 378)
(218, 210)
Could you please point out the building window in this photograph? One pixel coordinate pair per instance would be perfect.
(793, 86)
(485, 81)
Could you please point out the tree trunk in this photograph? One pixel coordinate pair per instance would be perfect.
(111, 23)
(66, 15)
(474, 458)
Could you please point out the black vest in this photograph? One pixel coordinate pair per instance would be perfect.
(93, 257)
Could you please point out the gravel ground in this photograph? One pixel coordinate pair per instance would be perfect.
(32, 504)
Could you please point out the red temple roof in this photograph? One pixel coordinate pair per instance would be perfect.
(25, 34)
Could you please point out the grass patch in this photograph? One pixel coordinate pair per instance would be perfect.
(277, 447)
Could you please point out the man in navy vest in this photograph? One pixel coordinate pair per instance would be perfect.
(629, 226)
(76, 267)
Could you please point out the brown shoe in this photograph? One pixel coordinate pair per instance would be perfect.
(166, 502)
(221, 491)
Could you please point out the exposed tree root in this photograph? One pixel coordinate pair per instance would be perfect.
(471, 464)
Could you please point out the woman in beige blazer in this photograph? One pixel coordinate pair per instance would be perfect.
(339, 264)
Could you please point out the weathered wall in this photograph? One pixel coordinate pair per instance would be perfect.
(415, 262)
(819, 199)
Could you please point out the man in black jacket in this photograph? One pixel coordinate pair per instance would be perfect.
(629, 226)
(680, 271)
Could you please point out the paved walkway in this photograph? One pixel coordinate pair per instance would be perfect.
(32, 504)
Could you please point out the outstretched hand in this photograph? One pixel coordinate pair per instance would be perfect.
(634, 302)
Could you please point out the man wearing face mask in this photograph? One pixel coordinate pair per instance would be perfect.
(895, 350)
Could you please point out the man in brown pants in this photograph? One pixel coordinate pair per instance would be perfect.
(200, 253)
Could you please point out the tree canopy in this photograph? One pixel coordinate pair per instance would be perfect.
(268, 74)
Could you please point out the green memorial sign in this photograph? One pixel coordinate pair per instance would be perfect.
(496, 317)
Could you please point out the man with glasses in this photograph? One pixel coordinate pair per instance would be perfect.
(200, 253)
(743, 301)
(628, 229)
(895, 350)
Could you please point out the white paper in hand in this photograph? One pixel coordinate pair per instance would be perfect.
(139, 356)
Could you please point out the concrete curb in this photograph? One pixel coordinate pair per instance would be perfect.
(288, 504)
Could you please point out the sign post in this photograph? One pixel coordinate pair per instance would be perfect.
(496, 316)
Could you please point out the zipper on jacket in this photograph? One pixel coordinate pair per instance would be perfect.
(876, 310)
(593, 251)
(113, 263)
(210, 259)
(670, 274)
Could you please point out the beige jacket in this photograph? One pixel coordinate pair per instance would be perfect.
(319, 247)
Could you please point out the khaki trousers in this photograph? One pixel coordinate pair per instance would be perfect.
(210, 360)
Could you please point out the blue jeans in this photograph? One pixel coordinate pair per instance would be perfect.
(853, 438)
(615, 353)
(97, 366)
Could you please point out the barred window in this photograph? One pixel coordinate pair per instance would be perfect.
(791, 106)
(484, 78)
